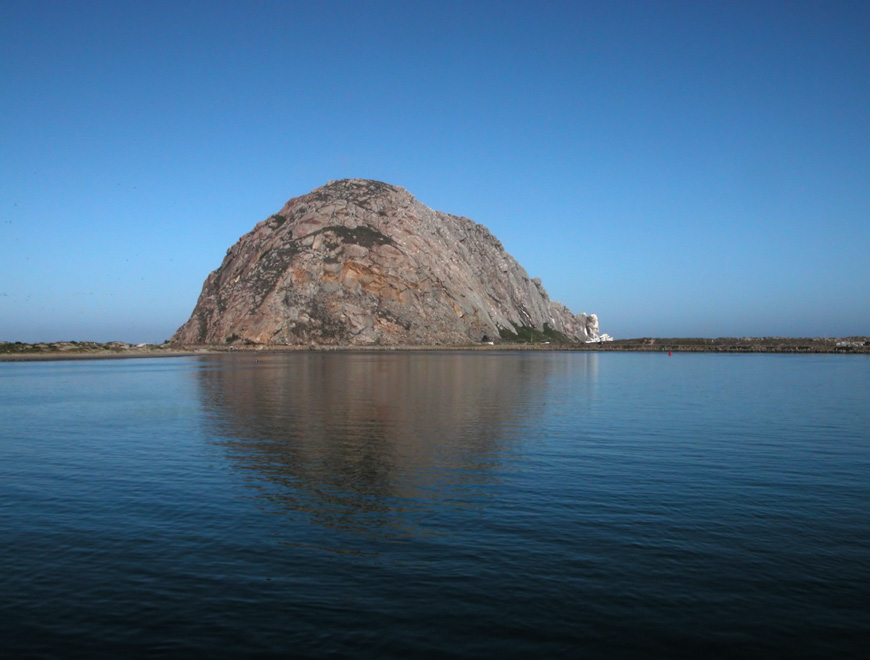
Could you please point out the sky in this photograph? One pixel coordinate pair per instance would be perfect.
(681, 169)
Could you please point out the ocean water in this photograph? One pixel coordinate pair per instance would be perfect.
(396, 505)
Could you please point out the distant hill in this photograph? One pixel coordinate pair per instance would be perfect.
(360, 262)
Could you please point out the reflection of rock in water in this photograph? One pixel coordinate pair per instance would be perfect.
(359, 440)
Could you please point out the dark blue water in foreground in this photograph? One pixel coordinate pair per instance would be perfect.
(436, 504)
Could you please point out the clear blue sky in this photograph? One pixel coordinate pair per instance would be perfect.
(680, 168)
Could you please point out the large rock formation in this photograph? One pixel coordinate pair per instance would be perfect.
(362, 262)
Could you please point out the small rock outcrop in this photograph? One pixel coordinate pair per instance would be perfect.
(360, 262)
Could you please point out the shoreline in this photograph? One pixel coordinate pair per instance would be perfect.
(106, 355)
(58, 351)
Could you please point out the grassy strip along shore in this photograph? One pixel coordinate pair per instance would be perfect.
(73, 350)
(738, 345)
(76, 350)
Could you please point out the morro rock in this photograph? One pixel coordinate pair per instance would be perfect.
(359, 262)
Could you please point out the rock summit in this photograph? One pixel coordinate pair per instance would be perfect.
(360, 262)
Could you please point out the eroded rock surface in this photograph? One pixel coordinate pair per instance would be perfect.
(363, 262)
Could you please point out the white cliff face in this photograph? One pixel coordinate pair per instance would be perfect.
(362, 262)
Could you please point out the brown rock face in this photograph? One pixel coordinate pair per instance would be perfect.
(363, 262)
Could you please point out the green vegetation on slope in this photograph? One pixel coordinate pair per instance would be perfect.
(524, 334)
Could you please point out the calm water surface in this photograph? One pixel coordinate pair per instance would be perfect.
(436, 504)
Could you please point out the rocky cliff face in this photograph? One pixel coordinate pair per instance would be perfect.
(363, 262)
